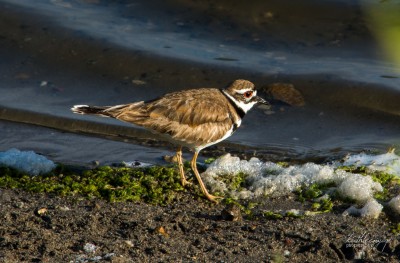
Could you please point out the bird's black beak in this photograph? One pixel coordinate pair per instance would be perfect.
(260, 100)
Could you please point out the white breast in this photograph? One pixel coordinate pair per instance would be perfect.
(229, 133)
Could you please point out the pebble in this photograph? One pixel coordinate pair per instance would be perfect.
(64, 208)
(129, 243)
(161, 230)
(41, 211)
(138, 82)
(231, 213)
(19, 205)
(170, 159)
(89, 248)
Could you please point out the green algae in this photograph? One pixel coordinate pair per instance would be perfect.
(234, 183)
(311, 192)
(154, 185)
(161, 185)
(323, 205)
(293, 214)
(209, 160)
(272, 215)
(246, 208)
(395, 228)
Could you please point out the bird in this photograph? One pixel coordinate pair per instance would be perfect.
(193, 118)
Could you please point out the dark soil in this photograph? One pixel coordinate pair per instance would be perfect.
(41, 228)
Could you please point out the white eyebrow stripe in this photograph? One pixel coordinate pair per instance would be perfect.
(243, 91)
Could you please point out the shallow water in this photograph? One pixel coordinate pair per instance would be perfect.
(59, 53)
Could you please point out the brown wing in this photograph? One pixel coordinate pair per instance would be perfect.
(195, 117)
(191, 107)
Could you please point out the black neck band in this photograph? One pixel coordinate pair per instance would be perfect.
(239, 110)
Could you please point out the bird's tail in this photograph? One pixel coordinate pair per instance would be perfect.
(91, 110)
(117, 111)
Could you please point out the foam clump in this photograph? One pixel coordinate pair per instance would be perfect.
(371, 209)
(275, 180)
(359, 188)
(230, 165)
(394, 204)
(26, 161)
(388, 162)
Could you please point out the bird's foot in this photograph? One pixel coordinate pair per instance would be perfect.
(185, 182)
(213, 198)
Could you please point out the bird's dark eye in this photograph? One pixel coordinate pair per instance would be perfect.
(248, 94)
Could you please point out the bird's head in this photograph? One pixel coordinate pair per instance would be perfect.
(244, 95)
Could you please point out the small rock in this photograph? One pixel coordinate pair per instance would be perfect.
(268, 15)
(109, 256)
(64, 208)
(264, 107)
(96, 258)
(22, 75)
(81, 259)
(161, 230)
(231, 213)
(289, 241)
(286, 253)
(133, 164)
(286, 93)
(170, 159)
(19, 204)
(89, 248)
(138, 82)
(129, 243)
(41, 211)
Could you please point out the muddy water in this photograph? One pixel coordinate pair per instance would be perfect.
(55, 54)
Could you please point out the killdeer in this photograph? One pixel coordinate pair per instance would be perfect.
(195, 118)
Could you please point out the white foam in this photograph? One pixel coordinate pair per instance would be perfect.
(387, 162)
(394, 204)
(371, 209)
(359, 188)
(26, 161)
(271, 179)
(274, 180)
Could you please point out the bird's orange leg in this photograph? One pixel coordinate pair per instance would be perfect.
(202, 186)
(180, 165)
